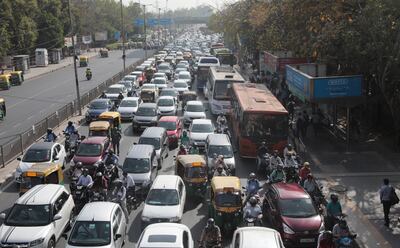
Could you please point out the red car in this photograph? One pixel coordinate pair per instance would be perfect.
(174, 129)
(290, 210)
(90, 151)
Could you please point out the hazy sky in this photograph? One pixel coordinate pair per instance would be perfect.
(176, 4)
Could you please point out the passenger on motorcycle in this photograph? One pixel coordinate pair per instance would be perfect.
(70, 128)
(252, 210)
(304, 171)
(253, 185)
(211, 235)
(277, 175)
(275, 160)
(310, 185)
(289, 151)
(333, 210)
(219, 172)
(341, 230)
(50, 136)
(325, 240)
(85, 179)
(100, 184)
(111, 158)
(119, 196)
(185, 141)
(261, 151)
(78, 170)
(182, 150)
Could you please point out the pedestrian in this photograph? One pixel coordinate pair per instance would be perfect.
(306, 121)
(316, 122)
(388, 199)
(115, 139)
(299, 125)
(290, 107)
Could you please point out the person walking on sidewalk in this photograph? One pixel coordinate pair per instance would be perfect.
(387, 195)
(115, 139)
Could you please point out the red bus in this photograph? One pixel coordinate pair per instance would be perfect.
(257, 116)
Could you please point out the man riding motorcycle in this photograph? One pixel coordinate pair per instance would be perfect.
(185, 141)
(221, 120)
(253, 185)
(50, 136)
(119, 196)
(70, 128)
(275, 160)
(220, 172)
(277, 175)
(211, 235)
(341, 230)
(111, 158)
(253, 211)
(85, 179)
(333, 211)
(194, 149)
(78, 170)
(325, 240)
(261, 151)
(103, 95)
(100, 184)
(182, 150)
(88, 73)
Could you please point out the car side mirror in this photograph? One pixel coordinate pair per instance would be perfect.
(19, 158)
(57, 217)
(3, 216)
(117, 236)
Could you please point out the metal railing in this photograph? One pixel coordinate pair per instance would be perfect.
(16, 146)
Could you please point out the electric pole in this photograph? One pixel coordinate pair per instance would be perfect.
(78, 95)
(159, 27)
(145, 31)
(123, 35)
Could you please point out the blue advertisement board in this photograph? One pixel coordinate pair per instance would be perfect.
(337, 87)
(298, 82)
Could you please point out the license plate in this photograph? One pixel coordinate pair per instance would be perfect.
(307, 240)
(77, 192)
(250, 224)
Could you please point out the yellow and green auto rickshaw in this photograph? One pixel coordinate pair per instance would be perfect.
(193, 171)
(100, 128)
(188, 96)
(41, 173)
(114, 118)
(5, 81)
(226, 202)
(83, 61)
(148, 95)
(3, 110)
(16, 77)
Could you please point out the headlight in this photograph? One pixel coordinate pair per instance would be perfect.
(322, 228)
(145, 219)
(36, 242)
(286, 229)
(174, 219)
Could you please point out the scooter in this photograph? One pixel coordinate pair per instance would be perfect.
(88, 75)
(253, 221)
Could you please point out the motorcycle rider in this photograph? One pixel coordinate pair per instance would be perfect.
(289, 151)
(220, 172)
(194, 149)
(111, 158)
(304, 171)
(253, 185)
(261, 151)
(119, 195)
(325, 240)
(78, 170)
(341, 230)
(211, 235)
(185, 141)
(252, 210)
(221, 120)
(275, 160)
(70, 128)
(221, 161)
(103, 95)
(88, 72)
(333, 210)
(85, 179)
(100, 184)
(50, 136)
(277, 175)
(310, 185)
(120, 98)
(129, 184)
(182, 150)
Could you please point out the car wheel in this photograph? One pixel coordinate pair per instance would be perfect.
(51, 243)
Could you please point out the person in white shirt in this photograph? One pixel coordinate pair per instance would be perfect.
(85, 179)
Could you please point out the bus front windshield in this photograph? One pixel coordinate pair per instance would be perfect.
(265, 127)
(222, 89)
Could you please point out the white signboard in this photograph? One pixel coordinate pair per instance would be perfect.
(100, 36)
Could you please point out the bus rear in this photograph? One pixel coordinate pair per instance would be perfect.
(204, 65)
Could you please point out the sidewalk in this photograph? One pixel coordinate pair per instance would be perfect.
(38, 71)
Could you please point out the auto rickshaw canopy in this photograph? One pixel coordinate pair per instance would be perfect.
(99, 126)
(191, 160)
(225, 183)
(114, 118)
(84, 58)
(16, 77)
(44, 173)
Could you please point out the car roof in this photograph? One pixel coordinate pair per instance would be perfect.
(95, 140)
(116, 86)
(290, 191)
(42, 145)
(201, 121)
(90, 211)
(140, 151)
(169, 89)
(165, 182)
(180, 81)
(194, 103)
(184, 72)
(136, 72)
(258, 237)
(160, 229)
(148, 105)
(159, 73)
(166, 97)
(152, 132)
(41, 194)
(218, 139)
(100, 100)
(168, 119)
(131, 98)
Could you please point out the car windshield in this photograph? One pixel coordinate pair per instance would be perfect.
(163, 67)
(36, 155)
(159, 81)
(165, 102)
(169, 125)
(89, 150)
(136, 165)
(159, 75)
(90, 233)
(128, 103)
(98, 105)
(29, 215)
(162, 197)
(202, 128)
(183, 76)
(146, 111)
(209, 61)
(150, 141)
(180, 85)
(168, 93)
(226, 151)
(114, 90)
(297, 208)
(228, 199)
(194, 108)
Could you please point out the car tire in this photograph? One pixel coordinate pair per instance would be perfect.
(51, 244)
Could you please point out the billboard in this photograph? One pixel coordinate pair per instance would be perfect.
(100, 36)
(86, 39)
(299, 83)
(276, 64)
(336, 87)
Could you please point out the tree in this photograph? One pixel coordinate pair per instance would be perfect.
(49, 24)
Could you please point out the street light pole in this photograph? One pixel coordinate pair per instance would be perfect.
(159, 26)
(123, 35)
(78, 95)
(145, 31)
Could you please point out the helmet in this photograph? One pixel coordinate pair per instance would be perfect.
(289, 146)
(70, 123)
(220, 168)
(253, 201)
(124, 173)
(343, 223)
(118, 182)
(310, 176)
(221, 114)
(306, 164)
(275, 152)
(99, 174)
(263, 143)
(327, 234)
(279, 167)
(79, 165)
(85, 171)
(252, 175)
(215, 155)
(49, 130)
(210, 222)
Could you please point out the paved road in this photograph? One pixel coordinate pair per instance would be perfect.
(39, 97)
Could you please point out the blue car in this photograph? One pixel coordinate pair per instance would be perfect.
(96, 107)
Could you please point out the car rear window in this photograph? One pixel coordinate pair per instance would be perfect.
(162, 238)
(209, 61)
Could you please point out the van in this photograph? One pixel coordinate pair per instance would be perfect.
(141, 164)
(256, 237)
(220, 144)
(156, 136)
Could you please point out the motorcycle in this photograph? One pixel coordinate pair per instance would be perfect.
(319, 198)
(81, 197)
(346, 242)
(97, 196)
(131, 203)
(111, 172)
(88, 75)
(292, 176)
(263, 163)
(71, 143)
(253, 221)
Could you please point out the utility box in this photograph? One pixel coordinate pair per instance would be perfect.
(41, 57)
(55, 56)
(21, 63)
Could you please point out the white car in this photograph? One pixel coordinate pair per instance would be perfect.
(181, 86)
(185, 75)
(166, 235)
(128, 107)
(199, 130)
(160, 75)
(165, 201)
(256, 237)
(94, 228)
(113, 91)
(160, 82)
(166, 105)
(42, 152)
(193, 110)
(38, 218)
(177, 71)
